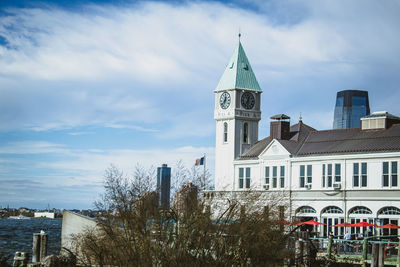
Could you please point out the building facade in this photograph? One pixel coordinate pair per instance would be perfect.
(332, 176)
(164, 185)
(351, 106)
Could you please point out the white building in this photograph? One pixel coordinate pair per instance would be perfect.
(44, 214)
(331, 176)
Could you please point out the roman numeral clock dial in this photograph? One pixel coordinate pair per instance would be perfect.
(247, 100)
(225, 100)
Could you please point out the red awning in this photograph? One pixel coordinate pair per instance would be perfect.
(345, 224)
(389, 226)
(311, 222)
(362, 224)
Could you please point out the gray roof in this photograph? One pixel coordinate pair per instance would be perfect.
(306, 141)
(381, 114)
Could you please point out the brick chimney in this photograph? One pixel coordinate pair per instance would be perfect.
(280, 127)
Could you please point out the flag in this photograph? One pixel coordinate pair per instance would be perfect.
(199, 161)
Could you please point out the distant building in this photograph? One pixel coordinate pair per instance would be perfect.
(24, 209)
(186, 199)
(351, 106)
(44, 214)
(164, 185)
(147, 204)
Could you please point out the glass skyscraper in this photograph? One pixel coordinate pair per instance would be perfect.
(351, 106)
(164, 185)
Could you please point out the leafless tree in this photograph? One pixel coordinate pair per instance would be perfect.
(180, 176)
(240, 236)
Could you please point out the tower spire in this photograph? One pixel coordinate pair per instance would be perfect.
(238, 74)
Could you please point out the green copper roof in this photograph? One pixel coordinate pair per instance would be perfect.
(238, 74)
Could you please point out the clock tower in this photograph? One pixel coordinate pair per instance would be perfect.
(237, 113)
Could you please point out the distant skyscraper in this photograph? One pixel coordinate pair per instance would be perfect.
(351, 106)
(164, 185)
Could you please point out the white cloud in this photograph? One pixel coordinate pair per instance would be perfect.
(89, 164)
(120, 64)
(32, 147)
(151, 67)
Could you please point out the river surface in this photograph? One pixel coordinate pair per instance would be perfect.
(17, 235)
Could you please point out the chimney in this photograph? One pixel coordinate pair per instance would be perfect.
(280, 127)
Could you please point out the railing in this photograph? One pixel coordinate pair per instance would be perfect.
(366, 249)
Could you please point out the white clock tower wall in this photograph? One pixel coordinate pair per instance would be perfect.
(225, 149)
(235, 117)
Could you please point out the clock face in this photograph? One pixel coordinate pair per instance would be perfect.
(247, 100)
(225, 100)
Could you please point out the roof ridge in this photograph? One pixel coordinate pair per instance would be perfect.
(351, 139)
(343, 130)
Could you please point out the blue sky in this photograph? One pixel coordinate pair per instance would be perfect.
(86, 84)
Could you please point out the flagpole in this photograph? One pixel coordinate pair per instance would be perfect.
(204, 178)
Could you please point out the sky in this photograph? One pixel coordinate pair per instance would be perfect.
(87, 84)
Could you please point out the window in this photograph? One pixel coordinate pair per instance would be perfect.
(309, 174)
(240, 177)
(360, 210)
(247, 177)
(245, 132)
(303, 175)
(244, 181)
(337, 173)
(274, 176)
(302, 167)
(385, 174)
(340, 101)
(389, 168)
(356, 175)
(266, 175)
(332, 210)
(225, 132)
(306, 209)
(389, 211)
(394, 173)
(329, 175)
(364, 174)
(272, 172)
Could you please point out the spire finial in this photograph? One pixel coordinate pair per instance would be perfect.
(239, 34)
(301, 118)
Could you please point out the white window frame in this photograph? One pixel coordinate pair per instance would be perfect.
(390, 174)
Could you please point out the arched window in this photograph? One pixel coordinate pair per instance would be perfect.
(332, 210)
(360, 210)
(306, 209)
(389, 211)
(245, 132)
(225, 132)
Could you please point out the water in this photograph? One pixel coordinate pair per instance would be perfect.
(17, 235)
